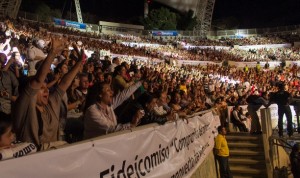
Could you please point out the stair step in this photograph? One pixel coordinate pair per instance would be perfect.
(242, 170)
(247, 176)
(247, 157)
(243, 137)
(246, 152)
(245, 145)
(244, 161)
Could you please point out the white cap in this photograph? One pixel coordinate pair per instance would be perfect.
(79, 43)
(15, 49)
(40, 43)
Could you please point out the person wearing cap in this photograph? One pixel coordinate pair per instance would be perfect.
(295, 160)
(34, 54)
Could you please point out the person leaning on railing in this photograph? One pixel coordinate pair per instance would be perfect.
(100, 118)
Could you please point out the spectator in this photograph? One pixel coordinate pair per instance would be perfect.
(9, 148)
(119, 80)
(149, 103)
(237, 120)
(8, 86)
(282, 99)
(100, 118)
(254, 103)
(222, 153)
(115, 63)
(82, 90)
(34, 54)
(36, 116)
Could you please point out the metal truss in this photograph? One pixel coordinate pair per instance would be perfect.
(78, 11)
(9, 8)
(204, 12)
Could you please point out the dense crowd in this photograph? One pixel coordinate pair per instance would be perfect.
(52, 93)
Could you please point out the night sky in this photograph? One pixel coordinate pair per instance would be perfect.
(249, 13)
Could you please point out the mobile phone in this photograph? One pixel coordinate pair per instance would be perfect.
(25, 72)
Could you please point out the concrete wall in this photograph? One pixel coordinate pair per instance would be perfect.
(207, 168)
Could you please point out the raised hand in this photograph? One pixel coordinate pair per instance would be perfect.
(58, 43)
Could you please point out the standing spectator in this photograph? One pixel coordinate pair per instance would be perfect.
(119, 80)
(82, 90)
(35, 54)
(8, 86)
(115, 63)
(100, 118)
(149, 103)
(105, 64)
(282, 99)
(222, 152)
(254, 103)
(36, 116)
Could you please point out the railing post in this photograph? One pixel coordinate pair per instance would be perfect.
(267, 132)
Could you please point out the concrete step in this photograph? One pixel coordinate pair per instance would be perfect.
(246, 171)
(244, 138)
(247, 176)
(246, 161)
(246, 145)
(246, 152)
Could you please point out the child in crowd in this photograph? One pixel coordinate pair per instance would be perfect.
(9, 148)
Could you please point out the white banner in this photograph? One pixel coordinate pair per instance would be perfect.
(172, 150)
(268, 46)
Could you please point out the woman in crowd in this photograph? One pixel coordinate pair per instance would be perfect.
(37, 113)
(99, 117)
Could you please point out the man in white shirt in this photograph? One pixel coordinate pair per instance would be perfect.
(35, 54)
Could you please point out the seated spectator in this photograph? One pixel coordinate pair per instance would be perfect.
(237, 120)
(100, 118)
(9, 148)
(36, 115)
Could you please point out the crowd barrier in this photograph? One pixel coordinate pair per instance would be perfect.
(173, 150)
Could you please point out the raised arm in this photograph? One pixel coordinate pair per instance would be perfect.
(58, 45)
(8, 64)
(68, 78)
